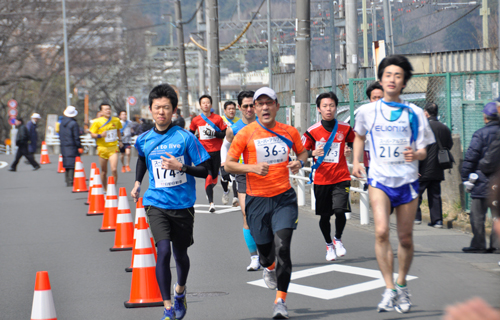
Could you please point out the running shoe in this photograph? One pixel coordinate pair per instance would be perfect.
(254, 264)
(236, 202)
(269, 277)
(403, 303)
(168, 314)
(330, 253)
(389, 299)
(123, 169)
(225, 198)
(180, 304)
(128, 168)
(280, 310)
(212, 208)
(339, 247)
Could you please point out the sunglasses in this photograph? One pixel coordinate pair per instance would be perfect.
(245, 106)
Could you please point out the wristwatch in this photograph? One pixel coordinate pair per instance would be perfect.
(99, 136)
(302, 163)
(184, 168)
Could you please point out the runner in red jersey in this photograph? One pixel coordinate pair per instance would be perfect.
(332, 179)
(211, 132)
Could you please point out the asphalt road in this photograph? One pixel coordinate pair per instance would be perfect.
(44, 226)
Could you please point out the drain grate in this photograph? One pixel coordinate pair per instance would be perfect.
(206, 294)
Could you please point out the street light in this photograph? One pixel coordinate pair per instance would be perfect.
(66, 60)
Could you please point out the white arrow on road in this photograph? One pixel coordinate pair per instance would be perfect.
(225, 209)
(3, 164)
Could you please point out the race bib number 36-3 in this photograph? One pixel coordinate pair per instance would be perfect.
(390, 150)
(271, 150)
(111, 135)
(167, 178)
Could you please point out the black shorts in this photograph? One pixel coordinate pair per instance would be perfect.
(213, 164)
(266, 216)
(125, 146)
(174, 225)
(241, 180)
(332, 196)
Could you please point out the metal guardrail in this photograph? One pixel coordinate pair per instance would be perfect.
(302, 178)
(88, 142)
(4, 149)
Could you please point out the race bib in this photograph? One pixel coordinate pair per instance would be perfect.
(111, 135)
(271, 150)
(206, 132)
(332, 155)
(167, 178)
(390, 150)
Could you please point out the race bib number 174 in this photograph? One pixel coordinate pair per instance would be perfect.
(167, 178)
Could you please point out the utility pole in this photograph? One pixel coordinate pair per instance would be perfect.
(332, 37)
(213, 51)
(66, 59)
(364, 26)
(342, 33)
(201, 58)
(351, 36)
(485, 12)
(303, 69)
(387, 26)
(182, 59)
(269, 45)
(374, 22)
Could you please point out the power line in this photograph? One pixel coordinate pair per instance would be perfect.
(430, 34)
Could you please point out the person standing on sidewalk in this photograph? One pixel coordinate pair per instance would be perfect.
(429, 169)
(479, 144)
(399, 135)
(271, 202)
(71, 146)
(173, 157)
(31, 126)
(332, 179)
(22, 139)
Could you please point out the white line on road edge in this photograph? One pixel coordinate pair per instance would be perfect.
(339, 292)
(3, 164)
(225, 209)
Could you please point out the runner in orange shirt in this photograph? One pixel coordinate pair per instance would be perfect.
(271, 202)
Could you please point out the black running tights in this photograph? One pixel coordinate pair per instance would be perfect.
(163, 274)
(278, 250)
(324, 225)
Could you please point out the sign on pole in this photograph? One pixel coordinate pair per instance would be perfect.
(131, 100)
(12, 103)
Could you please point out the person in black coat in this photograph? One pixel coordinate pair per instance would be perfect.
(71, 146)
(490, 164)
(481, 140)
(33, 135)
(431, 173)
(22, 140)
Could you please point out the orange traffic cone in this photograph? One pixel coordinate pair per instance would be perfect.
(79, 184)
(124, 236)
(43, 302)
(91, 181)
(110, 207)
(96, 206)
(44, 156)
(140, 213)
(60, 168)
(144, 291)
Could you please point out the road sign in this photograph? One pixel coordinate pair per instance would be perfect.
(13, 113)
(131, 100)
(12, 103)
(12, 121)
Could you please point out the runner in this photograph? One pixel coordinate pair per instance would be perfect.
(374, 92)
(399, 133)
(332, 179)
(126, 134)
(229, 119)
(173, 157)
(105, 130)
(271, 202)
(245, 104)
(211, 131)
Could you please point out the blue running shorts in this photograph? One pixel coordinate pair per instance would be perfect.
(400, 195)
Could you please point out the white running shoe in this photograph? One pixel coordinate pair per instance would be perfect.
(339, 247)
(236, 202)
(225, 198)
(254, 264)
(403, 303)
(269, 277)
(388, 300)
(330, 253)
(212, 208)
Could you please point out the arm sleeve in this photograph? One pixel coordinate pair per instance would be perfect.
(140, 168)
(221, 134)
(199, 171)
(223, 150)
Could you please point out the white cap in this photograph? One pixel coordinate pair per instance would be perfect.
(266, 91)
(35, 116)
(70, 112)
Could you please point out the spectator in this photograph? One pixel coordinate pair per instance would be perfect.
(71, 146)
(430, 172)
(178, 120)
(33, 136)
(489, 164)
(22, 139)
(135, 125)
(479, 144)
(126, 132)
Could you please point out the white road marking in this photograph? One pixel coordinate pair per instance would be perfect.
(339, 292)
(3, 164)
(225, 209)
